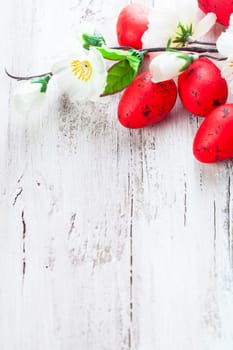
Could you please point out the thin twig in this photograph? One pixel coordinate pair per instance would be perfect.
(184, 48)
(214, 57)
(180, 48)
(201, 42)
(203, 50)
(122, 48)
(27, 78)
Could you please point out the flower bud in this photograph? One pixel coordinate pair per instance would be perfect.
(169, 65)
(30, 93)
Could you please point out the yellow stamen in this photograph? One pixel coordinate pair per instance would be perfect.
(82, 70)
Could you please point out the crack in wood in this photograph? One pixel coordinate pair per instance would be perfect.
(129, 184)
(24, 245)
(131, 259)
(19, 180)
(197, 122)
(141, 156)
(17, 195)
(201, 180)
(24, 268)
(228, 202)
(131, 273)
(72, 227)
(131, 196)
(129, 339)
(24, 225)
(228, 217)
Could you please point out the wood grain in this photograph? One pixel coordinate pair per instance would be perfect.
(110, 238)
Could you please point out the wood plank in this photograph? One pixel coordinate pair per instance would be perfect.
(67, 233)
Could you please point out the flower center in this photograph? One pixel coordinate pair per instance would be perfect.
(82, 70)
(183, 33)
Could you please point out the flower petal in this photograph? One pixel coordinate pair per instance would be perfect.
(166, 19)
(225, 44)
(205, 24)
(28, 96)
(225, 41)
(82, 76)
(227, 73)
(162, 24)
(186, 11)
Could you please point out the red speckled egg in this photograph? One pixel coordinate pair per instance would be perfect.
(201, 87)
(144, 103)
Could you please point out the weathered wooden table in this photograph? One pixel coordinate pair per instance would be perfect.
(109, 238)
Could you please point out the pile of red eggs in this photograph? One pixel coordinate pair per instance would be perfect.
(201, 88)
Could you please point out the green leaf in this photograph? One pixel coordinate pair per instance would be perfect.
(169, 42)
(134, 62)
(43, 81)
(120, 75)
(114, 54)
(96, 40)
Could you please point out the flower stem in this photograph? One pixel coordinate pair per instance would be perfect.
(214, 57)
(27, 78)
(185, 48)
(203, 50)
(192, 41)
(179, 48)
(191, 49)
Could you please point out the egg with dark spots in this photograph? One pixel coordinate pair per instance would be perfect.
(222, 9)
(201, 87)
(144, 103)
(213, 141)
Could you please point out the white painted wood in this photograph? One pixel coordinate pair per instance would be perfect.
(110, 239)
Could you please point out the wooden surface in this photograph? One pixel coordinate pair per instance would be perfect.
(109, 238)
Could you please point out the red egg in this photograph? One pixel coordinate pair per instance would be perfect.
(144, 103)
(214, 138)
(201, 87)
(131, 24)
(222, 9)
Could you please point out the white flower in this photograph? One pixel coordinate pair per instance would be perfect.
(176, 22)
(83, 75)
(227, 72)
(169, 65)
(225, 41)
(30, 93)
(225, 47)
